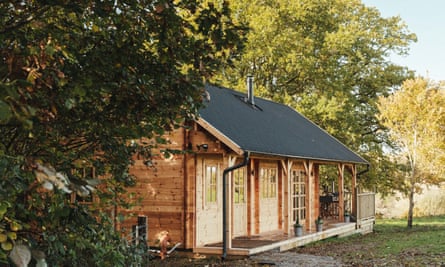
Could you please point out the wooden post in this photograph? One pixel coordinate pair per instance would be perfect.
(250, 197)
(357, 205)
(288, 205)
(313, 204)
(229, 201)
(280, 177)
(316, 179)
(353, 193)
(341, 200)
(257, 197)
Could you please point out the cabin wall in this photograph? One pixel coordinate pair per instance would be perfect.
(165, 190)
(159, 192)
(171, 192)
(190, 201)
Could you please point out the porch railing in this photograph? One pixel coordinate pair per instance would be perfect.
(365, 205)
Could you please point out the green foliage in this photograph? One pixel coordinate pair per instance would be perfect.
(415, 119)
(329, 60)
(78, 81)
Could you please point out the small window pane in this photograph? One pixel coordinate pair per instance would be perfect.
(211, 183)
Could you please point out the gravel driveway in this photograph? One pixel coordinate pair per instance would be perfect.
(291, 259)
(265, 259)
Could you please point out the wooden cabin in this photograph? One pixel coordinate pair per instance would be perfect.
(252, 168)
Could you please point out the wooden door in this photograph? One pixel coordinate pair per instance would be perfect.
(239, 195)
(208, 202)
(268, 197)
(298, 185)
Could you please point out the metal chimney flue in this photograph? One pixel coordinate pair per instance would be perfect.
(250, 93)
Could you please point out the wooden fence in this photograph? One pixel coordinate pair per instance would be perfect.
(365, 205)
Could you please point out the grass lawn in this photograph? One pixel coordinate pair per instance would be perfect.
(391, 244)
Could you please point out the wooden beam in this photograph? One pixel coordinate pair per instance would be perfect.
(286, 165)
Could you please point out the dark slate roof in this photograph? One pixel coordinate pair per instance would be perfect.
(271, 128)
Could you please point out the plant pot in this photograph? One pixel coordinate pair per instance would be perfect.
(347, 218)
(319, 227)
(298, 230)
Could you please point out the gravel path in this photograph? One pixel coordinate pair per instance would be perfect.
(265, 259)
(291, 259)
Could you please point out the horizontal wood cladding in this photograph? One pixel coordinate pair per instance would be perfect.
(200, 141)
(159, 186)
(159, 190)
(154, 206)
(157, 222)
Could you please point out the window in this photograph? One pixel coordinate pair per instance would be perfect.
(298, 195)
(211, 183)
(268, 178)
(86, 173)
(239, 181)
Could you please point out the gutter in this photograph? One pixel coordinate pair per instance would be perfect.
(225, 228)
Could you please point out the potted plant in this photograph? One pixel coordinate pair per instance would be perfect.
(347, 216)
(298, 228)
(319, 224)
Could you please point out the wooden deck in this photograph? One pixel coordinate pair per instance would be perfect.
(278, 240)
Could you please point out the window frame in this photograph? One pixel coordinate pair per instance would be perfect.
(239, 185)
(211, 172)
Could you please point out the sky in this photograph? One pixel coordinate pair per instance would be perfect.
(427, 20)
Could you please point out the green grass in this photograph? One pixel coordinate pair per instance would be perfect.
(426, 236)
(392, 244)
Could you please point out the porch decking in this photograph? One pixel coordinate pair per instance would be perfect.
(278, 240)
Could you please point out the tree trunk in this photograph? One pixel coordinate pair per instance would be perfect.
(411, 205)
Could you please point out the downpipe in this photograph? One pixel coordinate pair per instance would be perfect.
(363, 171)
(225, 193)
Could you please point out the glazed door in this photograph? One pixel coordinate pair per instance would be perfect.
(239, 219)
(268, 198)
(298, 180)
(208, 202)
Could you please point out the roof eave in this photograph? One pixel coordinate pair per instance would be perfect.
(219, 135)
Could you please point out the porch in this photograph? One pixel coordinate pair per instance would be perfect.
(277, 240)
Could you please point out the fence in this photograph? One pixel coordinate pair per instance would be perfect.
(365, 205)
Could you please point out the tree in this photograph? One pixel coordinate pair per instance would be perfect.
(329, 60)
(415, 118)
(78, 81)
